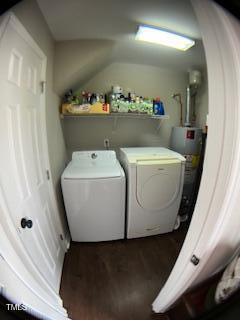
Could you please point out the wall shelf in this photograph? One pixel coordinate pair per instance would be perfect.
(116, 116)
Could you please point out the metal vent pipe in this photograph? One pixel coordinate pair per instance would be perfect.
(188, 107)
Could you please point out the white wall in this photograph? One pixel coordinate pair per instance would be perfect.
(145, 80)
(30, 16)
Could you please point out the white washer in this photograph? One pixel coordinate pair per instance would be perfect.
(154, 189)
(93, 186)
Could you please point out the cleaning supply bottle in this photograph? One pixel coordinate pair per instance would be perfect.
(158, 108)
(161, 109)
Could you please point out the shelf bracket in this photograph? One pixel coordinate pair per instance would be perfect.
(159, 125)
(114, 127)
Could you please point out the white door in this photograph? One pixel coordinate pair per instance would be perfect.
(213, 237)
(22, 161)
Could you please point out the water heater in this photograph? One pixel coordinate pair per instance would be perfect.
(187, 141)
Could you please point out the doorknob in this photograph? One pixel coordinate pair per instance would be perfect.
(26, 223)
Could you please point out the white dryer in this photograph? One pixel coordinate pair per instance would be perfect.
(154, 189)
(93, 186)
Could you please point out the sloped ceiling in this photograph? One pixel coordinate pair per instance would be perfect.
(112, 24)
(77, 61)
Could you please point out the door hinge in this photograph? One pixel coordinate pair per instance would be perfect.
(195, 260)
(42, 84)
(48, 174)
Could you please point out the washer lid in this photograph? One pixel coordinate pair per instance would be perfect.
(74, 171)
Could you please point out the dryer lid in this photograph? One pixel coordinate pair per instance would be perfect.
(133, 155)
(92, 171)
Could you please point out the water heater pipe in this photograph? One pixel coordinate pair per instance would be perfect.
(179, 100)
(188, 106)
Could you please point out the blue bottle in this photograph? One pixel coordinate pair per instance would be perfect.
(158, 108)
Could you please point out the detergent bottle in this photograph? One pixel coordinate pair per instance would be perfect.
(158, 108)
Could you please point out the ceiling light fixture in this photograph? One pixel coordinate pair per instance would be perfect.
(169, 39)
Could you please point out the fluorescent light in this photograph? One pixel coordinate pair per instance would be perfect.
(165, 38)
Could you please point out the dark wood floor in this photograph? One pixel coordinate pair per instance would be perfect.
(118, 280)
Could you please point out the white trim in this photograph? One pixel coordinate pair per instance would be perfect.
(15, 290)
(11, 18)
(214, 235)
(67, 241)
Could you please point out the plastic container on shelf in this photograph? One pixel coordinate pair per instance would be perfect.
(158, 108)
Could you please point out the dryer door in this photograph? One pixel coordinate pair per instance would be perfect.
(158, 183)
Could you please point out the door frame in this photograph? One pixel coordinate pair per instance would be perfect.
(12, 251)
(213, 236)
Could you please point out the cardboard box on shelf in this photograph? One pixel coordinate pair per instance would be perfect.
(96, 108)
